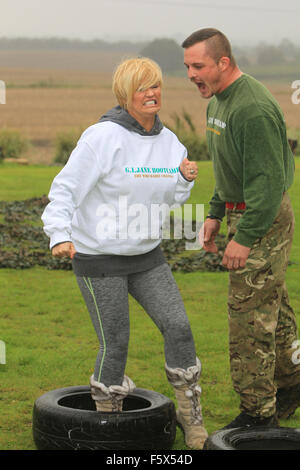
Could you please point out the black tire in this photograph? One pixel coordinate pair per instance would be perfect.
(256, 438)
(66, 419)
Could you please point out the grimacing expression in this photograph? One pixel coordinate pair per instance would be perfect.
(203, 70)
(146, 103)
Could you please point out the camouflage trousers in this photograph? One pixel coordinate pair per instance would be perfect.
(262, 324)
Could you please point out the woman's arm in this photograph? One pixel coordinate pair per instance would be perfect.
(68, 190)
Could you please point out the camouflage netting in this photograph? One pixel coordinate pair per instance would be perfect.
(23, 243)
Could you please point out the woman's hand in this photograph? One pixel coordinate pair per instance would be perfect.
(64, 249)
(189, 169)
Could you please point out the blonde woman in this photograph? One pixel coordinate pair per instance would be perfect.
(128, 161)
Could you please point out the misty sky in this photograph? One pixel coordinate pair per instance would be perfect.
(244, 22)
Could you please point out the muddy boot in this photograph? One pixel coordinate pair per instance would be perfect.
(187, 391)
(110, 398)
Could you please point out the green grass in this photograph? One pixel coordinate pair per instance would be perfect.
(50, 342)
(19, 182)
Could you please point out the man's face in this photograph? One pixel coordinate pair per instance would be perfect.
(203, 70)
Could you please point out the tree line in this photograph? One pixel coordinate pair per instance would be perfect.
(54, 43)
(269, 54)
(166, 51)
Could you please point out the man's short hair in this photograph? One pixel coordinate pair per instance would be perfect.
(217, 43)
(133, 75)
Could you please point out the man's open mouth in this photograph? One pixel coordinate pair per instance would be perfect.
(201, 85)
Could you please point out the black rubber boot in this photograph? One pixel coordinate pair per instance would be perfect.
(243, 420)
(288, 400)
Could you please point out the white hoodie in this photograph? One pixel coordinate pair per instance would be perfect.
(106, 198)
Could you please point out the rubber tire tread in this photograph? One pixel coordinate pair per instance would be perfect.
(57, 427)
(231, 439)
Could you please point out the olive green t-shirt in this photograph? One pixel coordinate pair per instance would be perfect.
(252, 159)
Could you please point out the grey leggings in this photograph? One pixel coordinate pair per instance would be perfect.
(156, 291)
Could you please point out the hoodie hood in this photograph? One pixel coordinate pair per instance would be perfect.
(123, 118)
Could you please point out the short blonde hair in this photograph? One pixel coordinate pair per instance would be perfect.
(133, 75)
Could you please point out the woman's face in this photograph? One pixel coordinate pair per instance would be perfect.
(145, 104)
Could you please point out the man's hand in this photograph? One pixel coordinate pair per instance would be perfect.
(189, 169)
(235, 255)
(64, 249)
(208, 233)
